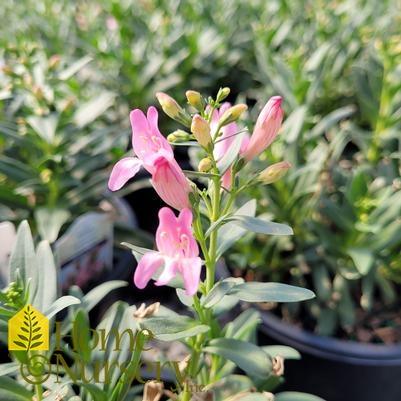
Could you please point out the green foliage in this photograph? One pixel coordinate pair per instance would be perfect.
(335, 65)
(34, 267)
(342, 138)
(58, 142)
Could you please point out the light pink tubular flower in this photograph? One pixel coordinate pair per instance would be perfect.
(170, 183)
(147, 141)
(225, 140)
(177, 251)
(266, 128)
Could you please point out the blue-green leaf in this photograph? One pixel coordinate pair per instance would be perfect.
(230, 232)
(46, 292)
(249, 357)
(49, 222)
(363, 259)
(22, 259)
(219, 290)
(270, 292)
(295, 396)
(171, 328)
(60, 304)
(261, 226)
(137, 251)
(45, 127)
(10, 390)
(282, 350)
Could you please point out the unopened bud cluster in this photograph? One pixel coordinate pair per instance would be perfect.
(213, 126)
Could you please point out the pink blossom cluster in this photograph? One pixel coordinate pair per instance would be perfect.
(178, 252)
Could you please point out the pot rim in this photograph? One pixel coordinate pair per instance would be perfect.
(327, 347)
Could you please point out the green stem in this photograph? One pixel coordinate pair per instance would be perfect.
(38, 387)
(211, 265)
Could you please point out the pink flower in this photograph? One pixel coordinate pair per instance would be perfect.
(170, 183)
(147, 141)
(177, 251)
(266, 128)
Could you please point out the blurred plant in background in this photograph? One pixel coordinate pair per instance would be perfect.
(343, 197)
(337, 65)
(59, 132)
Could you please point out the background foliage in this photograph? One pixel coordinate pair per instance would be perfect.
(336, 64)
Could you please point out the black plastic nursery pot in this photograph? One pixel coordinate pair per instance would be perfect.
(333, 369)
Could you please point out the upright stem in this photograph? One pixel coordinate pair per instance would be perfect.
(210, 254)
(211, 265)
(38, 386)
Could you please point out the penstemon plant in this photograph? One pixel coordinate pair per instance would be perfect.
(212, 216)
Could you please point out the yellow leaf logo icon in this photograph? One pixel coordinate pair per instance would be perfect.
(28, 330)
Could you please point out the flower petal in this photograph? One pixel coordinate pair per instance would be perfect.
(147, 267)
(170, 183)
(146, 137)
(123, 170)
(167, 238)
(171, 267)
(188, 242)
(190, 270)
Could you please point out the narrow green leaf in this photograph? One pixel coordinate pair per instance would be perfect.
(45, 126)
(231, 232)
(363, 259)
(46, 292)
(137, 251)
(49, 221)
(249, 357)
(60, 304)
(270, 292)
(294, 123)
(295, 396)
(22, 259)
(170, 329)
(330, 120)
(89, 111)
(94, 296)
(8, 368)
(11, 390)
(261, 226)
(282, 350)
(219, 290)
(74, 68)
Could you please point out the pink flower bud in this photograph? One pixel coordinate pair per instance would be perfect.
(266, 128)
